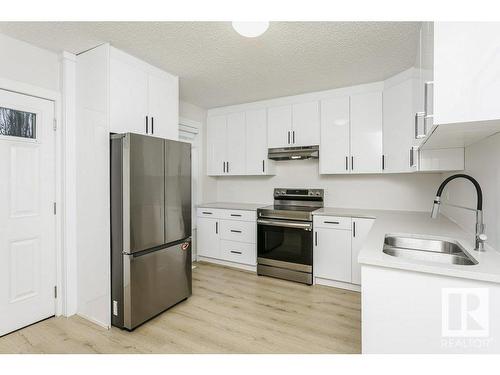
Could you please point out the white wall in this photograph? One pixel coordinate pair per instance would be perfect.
(482, 161)
(26, 63)
(393, 192)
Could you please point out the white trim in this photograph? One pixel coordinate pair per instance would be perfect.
(185, 122)
(54, 96)
(92, 320)
(337, 284)
(67, 129)
(226, 263)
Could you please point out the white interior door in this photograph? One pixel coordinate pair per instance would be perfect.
(27, 220)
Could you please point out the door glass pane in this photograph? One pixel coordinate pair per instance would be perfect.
(17, 123)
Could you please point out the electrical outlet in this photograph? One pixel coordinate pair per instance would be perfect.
(115, 308)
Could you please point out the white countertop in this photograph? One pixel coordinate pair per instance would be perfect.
(233, 206)
(420, 223)
(348, 212)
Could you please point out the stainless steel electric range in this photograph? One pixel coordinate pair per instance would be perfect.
(285, 236)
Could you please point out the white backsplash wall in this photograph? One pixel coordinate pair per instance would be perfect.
(482, 161)
(390, 191)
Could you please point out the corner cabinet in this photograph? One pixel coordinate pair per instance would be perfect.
(337, 243)
(237, 144)
(142, 98)
(227, 236)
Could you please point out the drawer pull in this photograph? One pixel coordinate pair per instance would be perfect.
(331, 222)
(235, 231)
(236, 252)
(237, 215)
(207, 213)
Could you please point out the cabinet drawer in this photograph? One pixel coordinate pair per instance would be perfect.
(241, 231)
(238, 252)
(239, 215)
(334, 222)
(209, 212)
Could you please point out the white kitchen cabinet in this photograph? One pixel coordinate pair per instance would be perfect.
(305, 124)
(142, 98)
(228, 236)
(257, 162)
(279, 126)
(466, 72)
(236, 144)
(216, 145)
(128, 102)
(360, 229)
(163, 101)
(332, 254)
(366, 132)
(208, 237)
(398, 113)
(334, 145)
(293, 125)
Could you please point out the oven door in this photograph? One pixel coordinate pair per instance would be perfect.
(285, 243)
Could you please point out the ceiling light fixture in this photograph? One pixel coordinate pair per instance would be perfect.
(250, 29)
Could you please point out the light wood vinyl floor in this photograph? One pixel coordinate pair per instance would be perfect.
(230, 311)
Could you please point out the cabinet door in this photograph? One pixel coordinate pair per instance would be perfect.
(360, 229)
(366, 133)
(163, 103)
(208, 237)
(332, 254)
(128, 98)
(235, 158)
(305, 124)
(399, 116)
(216, 145)
(257, 162)
(334, 145)
(279, 122)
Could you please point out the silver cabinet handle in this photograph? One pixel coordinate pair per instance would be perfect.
(352, 163)
(236, 215)
(147, 129)
(227, 167)
(207, 213)
(235, 231)
(216, 227)
(411, 156)
(235, 252)
(289, 137)
(383, 162)
(293, 136)
(316, 238)
(263, 170)
(354, 229)
(152, 125)
(331, 222)
(346, 163)
(418, 116)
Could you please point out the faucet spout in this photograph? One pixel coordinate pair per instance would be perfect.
(480, 236)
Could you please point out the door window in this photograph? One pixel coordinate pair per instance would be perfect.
(17, 123)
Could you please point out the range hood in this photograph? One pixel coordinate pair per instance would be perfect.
(293, 153)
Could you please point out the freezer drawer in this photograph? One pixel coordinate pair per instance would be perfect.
(154, 281)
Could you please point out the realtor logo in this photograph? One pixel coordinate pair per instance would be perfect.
(465, 312)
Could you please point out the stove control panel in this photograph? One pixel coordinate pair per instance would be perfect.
(280, 193)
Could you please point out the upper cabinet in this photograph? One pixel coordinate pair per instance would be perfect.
(143, 99)
(237, 144)
(293, 125)
(334, 149)
(351, 134)
(460, 63)
(366, 132)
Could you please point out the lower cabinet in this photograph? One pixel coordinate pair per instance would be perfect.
(227, 235)
(337, 242)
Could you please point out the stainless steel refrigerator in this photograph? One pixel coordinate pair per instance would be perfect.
(150, 227)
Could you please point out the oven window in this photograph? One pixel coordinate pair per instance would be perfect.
(292, 245)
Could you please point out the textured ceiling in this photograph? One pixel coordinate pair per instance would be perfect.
(218, 67)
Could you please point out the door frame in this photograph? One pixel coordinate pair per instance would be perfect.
(55, 97)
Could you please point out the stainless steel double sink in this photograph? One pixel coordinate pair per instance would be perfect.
(427, 249)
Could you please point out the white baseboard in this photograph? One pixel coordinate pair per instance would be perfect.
(337, 284)
(221, 262)
(92, 320)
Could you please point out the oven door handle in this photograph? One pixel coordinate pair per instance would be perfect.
(287, 224)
